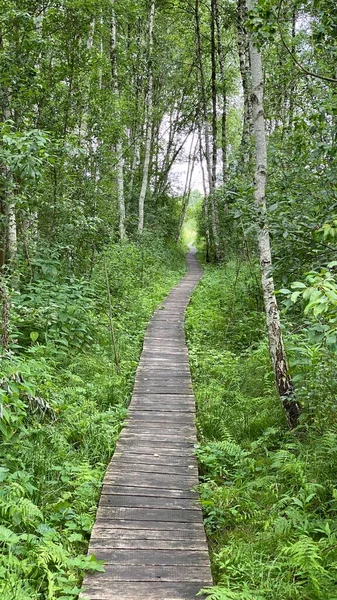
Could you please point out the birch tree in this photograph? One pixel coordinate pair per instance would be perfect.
(205, 123)
(119, 144)
(276, 346)
(221, 59)
(244, 60)
(149, 123)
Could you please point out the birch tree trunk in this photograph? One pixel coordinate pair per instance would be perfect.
(244, 59)
(224, 92)
(12, 240)
(149, 118)
(211, 181)
(214, 97)
(276, 346)
(205, 202)
(119, 144)
(188, 185)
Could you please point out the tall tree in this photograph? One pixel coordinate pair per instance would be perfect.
(205, 126)
(119, 143)
(244, 60)
(221, 59)
(149, 121)
(277, 351)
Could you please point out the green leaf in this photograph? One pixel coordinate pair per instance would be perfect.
(298, 285)
(294, 296)
(7, 536)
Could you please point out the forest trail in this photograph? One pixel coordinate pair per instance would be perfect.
(149, 528)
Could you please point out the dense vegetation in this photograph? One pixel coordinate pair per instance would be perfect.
(268, 496)
(64, 400)
(101, 103)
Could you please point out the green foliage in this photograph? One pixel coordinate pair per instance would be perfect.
(63, 404)
(268, 496)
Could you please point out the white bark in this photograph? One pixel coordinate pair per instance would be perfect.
(244, 59)
(149, 125)
(119, 145)
(276, 346)
(210, 171)
(188, 184)
(12, 240)
(205, 202)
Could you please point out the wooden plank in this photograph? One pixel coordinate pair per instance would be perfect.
(134, 457)
(153, 573)
(112, 533)
(152, 557)
(131, 524)
(157, 480)
(173, 515)
(111, 541)
(123, 490)
(132, 501)
(170, 428)
(165, 438)
(140, 590)
(124, 466)
(165, 417)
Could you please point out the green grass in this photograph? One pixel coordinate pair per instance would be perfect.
(269, 496)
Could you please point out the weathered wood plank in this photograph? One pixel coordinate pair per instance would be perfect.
(132, 501)
(122, 490)
(135, 525)
(139, 467)
(153, 467)
(136, 415)
(152, 557)
(115, 542)
(173, 515)
(158, 480)
(153, 573)
(154, 458)
(141, 590)
(112, 532)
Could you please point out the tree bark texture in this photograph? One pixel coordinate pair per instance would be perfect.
(211, 181)
(149, 125)
(276, 346)
(244, 60)
(119, 144)
(221, 59)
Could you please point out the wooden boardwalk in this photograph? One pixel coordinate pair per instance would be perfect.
(149, 528)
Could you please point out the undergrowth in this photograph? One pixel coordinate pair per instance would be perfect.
(269, 496)
(63, 403)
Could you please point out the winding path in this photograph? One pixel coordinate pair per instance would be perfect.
(149, 528)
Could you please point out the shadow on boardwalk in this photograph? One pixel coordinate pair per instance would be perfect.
(149, 528)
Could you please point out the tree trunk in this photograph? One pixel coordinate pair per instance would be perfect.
(205, 202)
(244, 59)
(188, 185)
(12, 240)
(149, 117)
(276, 346)
(214, 96)
(119, 145)
(5, 302)
(224, 92)
(211, 181)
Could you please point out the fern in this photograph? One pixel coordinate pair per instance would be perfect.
(221, 593)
